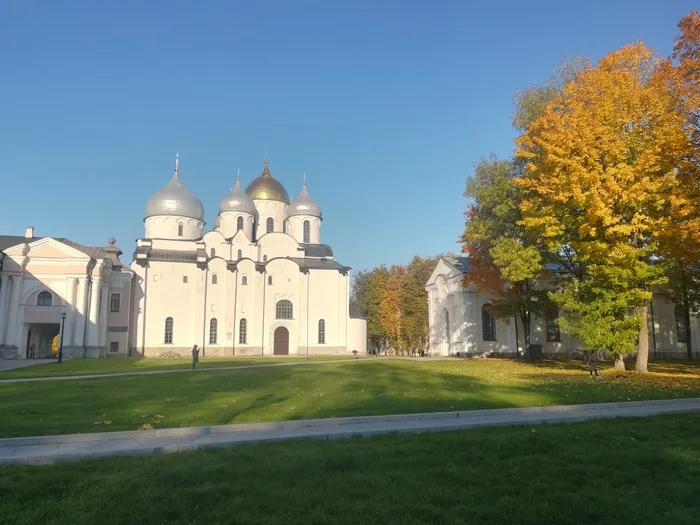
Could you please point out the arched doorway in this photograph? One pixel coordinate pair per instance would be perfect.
(281, 342)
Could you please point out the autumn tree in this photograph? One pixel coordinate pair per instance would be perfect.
(599, 180)
(503, 263)
(367, 289)
(390, 308)
(414, 303)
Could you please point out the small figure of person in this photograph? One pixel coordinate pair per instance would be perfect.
(354, 353)
(195, 356)
(32, 351)
(593, 364)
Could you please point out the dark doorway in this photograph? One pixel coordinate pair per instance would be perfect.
(281, 345)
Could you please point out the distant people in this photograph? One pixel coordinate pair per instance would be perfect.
(195, 356)
(354, 353)
(593, 364)
(32, 351)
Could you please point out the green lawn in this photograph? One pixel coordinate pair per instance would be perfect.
(320, 391)
(79, 367)
(610, 472)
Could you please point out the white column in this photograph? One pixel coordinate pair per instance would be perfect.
(11, 333)
(4, 295)
(81, 312)
(104, 305)
(70, 317)
(94, 308)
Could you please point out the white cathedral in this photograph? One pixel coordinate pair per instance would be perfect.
(259, 283)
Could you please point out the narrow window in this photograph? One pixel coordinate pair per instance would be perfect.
(244, 281)
(264, 258)
(681, 325)
(168, 339)
(213, 328)
(284, 227)
(270, 225)
(44, 299)
(488, 323)
(269, 279)
(321, 332)
(240, 254)
(307, 231)
(284, 309)
(114, 346)
(115, 302)
(185, 279)
(243, 332)
(448, 333)
(180, 229)
(214, 279)
(553, 333)
(212, 253)
(239, 223)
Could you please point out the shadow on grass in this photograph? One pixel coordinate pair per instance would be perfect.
(606, 472)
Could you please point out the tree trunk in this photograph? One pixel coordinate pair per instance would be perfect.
(688, 343)
(620, 362)
(526, 334)
(643, 352)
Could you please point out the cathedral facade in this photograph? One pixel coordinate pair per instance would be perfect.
(259, 283)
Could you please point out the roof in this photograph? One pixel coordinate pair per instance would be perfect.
(319, 264)
(267, 188)
(317, 250)
(168, 255)
(304, 204)
(461, 263)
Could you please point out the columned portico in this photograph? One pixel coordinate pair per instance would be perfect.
(69, 311)
(93, 327)
(102, 315)
(81, 312)
(11, 332)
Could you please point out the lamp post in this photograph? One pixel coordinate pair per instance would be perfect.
(60, 343)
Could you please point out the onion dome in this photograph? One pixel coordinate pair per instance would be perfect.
(237, 200)
(175, 199)
(304, 204)
(267, 188)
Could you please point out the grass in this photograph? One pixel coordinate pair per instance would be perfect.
(320, 391)
(79, 367)
(625, 471)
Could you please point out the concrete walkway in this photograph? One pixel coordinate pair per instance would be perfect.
(51, 449)
(189, 370)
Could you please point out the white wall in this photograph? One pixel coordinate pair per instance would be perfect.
(166, 227)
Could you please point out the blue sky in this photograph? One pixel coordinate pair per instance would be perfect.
(385, 105)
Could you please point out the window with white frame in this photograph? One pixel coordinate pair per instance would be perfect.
(115, 302)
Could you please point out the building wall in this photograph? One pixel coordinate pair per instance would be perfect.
(166, 226)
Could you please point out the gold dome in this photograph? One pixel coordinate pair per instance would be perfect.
(267, 188)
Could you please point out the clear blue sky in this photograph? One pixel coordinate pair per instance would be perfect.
(385, 105)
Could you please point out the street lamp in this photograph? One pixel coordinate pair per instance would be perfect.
(60, 344)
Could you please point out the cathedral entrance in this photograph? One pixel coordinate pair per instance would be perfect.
(281, 343)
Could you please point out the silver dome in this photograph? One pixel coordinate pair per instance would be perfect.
(304, 204)
(237, 200)
(175, 199)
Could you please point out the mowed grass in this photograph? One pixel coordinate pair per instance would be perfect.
(79, 367)
(624, 471)
(350, 388)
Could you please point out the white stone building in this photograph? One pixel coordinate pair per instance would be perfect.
(259, 283)
(461, 322)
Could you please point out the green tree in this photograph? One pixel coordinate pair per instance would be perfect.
(368, 286)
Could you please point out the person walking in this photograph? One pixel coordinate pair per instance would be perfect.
(593, 364)
(195, 356)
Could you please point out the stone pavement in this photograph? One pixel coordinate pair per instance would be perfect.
(51, 449)
(11, 364)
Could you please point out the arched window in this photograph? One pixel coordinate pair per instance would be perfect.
(307, 231)
(488, 323)
(239, 223)
(270, 225)
(284, 227)
(284, 310)
(321, 332)
(214, 279)
(168, 339)
(212, 253)
(244, 280)
(553, 332)
(243, 332)
(681, 325)
(264, 258)
(240, 254)
(180, 229)
(213, 327)
(448, 333)
(44, 299)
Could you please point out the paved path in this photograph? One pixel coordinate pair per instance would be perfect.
(51, 449)
(11, 364)
(190, 370)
